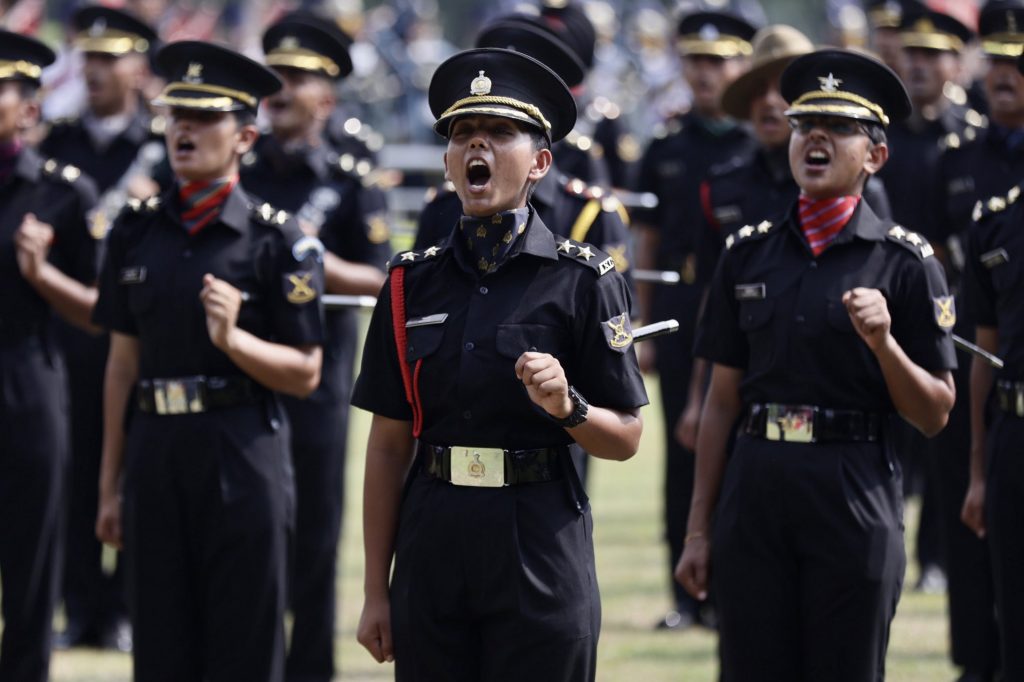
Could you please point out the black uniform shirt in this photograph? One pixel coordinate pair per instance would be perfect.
(567, 205)
(913, 153)
(994, 277)
(60, 196)
(154, 271)
(776, 311)
(469, 332)
(323, 189)
(69, 140)
(673, 168)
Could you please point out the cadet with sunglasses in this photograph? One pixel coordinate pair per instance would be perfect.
(487, 349)
(812, 360)
(213, 304)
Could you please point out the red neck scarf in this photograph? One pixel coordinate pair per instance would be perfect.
(823, 220)
(201, 201)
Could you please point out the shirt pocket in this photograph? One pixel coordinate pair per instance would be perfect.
(515, 339)
(755, 321)
(423, 341)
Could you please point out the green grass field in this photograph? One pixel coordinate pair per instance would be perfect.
(626, 499)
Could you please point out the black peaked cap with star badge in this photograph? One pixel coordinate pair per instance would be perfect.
(105, 30)
(209, 77)
(23, 58)
(498, 82)
(843, 83)
(715, 34)
(308, 42)
(571, 24)
(532, 37)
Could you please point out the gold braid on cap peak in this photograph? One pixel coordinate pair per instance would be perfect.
(113, 42)
(307, 60)
(862, 102)
(19, 68)
(528, 109)
(723, 46)
(165, 96)
(932, 41)
(1003, 44)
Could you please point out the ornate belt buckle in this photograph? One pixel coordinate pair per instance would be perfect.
(159, 396)
(478, 467)
(790, 423)
(176, 396)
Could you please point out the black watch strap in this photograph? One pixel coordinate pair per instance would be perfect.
(580, 406)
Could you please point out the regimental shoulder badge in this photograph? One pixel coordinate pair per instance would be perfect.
(748, 233)
(945, 311)
(618, 332)
(996, 204)
(617, 252)
(910, 240)
(299, 288)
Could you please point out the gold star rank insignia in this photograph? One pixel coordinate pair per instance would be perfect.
(409, 256)
(566, 247)
(618, 333)
(945, 311)
(585, 253)
(301, 291)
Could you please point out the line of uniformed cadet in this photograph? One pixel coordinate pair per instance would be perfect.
(714, 169)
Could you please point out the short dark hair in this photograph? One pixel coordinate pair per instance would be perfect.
(245, 117)
(540, 140)
(875, 133)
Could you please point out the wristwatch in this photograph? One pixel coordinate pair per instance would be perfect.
(579, 411)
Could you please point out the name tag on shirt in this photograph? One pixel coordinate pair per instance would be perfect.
(750, 292)
(995, 257)
(436, 318)
(132, 275)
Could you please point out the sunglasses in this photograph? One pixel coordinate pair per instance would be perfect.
(843, 127)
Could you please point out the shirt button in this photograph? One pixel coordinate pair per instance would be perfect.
(469, 345)
(483, 290)
(467, 415)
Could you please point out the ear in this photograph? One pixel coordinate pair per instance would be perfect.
(446, 176)
(878, 154)
(247, 136)
(542, 160)
(326, 102)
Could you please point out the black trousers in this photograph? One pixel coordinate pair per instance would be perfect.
(33, 457)
(974, 639)
(494, 584)
(675, 366)
(93, 600)
(807, 561)
(319, 431)
(1004, 517)
(208, 505)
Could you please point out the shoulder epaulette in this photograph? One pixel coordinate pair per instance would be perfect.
(585, 254)
(406, 258)
(54, 169)
(143, 205)
(996, 204)
(910, 240)
(268, 215)
(748, 233)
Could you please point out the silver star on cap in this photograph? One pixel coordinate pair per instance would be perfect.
(829, 83)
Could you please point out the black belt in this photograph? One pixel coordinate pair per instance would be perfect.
(492, 467)
(810, 424)
(1010, 396)
(192, 395)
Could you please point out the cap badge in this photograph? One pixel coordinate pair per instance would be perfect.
(924, 26)
(289, 43)
(98, 28)
(709, 32)
(830, 83)
(481, 85)
(194, 73)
